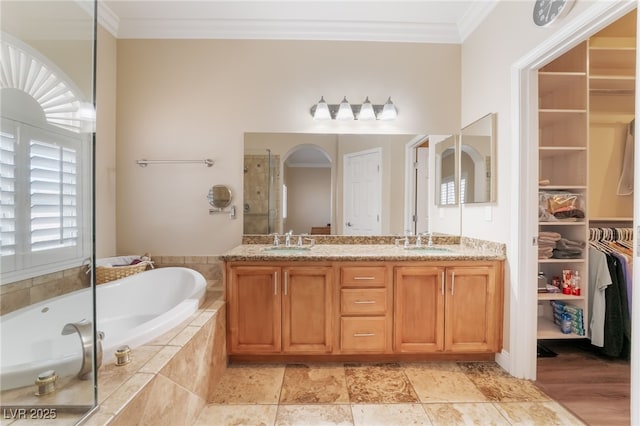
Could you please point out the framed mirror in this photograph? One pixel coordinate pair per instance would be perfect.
(477, 161)
(446, 173)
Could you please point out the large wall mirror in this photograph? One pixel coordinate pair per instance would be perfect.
(477, 161)
(340, 184)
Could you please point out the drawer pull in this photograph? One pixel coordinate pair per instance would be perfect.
(363, 334)
(364, 278)
(453, 281)
(364, 302)
(442, 284)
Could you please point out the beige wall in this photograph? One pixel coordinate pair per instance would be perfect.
(193, 99)
(105, 165)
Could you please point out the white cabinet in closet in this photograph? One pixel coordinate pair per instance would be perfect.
(563, 175)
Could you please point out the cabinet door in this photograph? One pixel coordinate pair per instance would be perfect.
(254, 310)
(307, 309)
(419, 309)
(472, 314)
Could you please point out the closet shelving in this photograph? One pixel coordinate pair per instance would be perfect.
(586, 100)
(563, 163)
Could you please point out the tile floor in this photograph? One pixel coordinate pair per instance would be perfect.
(434, 393)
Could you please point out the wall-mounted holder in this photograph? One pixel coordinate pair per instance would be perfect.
(144, 162)
(219, 197)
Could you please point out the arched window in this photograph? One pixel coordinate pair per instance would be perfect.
(44, 165)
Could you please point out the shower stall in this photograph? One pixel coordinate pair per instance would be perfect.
(47, 141)
(262, 196)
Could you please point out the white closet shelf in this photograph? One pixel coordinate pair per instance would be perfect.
(561, 261)
(562, 188)
(548, 330)
(558, 296)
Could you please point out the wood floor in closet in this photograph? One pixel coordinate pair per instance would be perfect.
(594, 387)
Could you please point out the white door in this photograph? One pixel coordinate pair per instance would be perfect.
(362, 192)
(422, 190)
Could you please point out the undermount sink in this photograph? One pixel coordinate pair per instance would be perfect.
(289, 249)
(428, 249)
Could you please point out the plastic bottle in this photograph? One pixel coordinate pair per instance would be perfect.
(565, 323)
(576, 284)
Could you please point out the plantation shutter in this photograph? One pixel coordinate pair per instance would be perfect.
(53, 196)
(7, 193)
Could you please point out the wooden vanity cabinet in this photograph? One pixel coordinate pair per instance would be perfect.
(280, 309)
(365, 308)
(419, 308)
(372, 308)
(254, 316)
(448, 308)
(307, 309)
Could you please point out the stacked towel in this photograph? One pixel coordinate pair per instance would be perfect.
(547, 242)
(567, 249)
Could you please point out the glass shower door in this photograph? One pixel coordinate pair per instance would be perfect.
(47, 322)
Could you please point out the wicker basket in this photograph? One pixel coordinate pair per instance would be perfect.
(105, 271)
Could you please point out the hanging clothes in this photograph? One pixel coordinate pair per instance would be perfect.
(617, 324)
(609, 276)
(625, 183)
(599, 280)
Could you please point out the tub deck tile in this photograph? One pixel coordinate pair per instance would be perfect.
(160, 360)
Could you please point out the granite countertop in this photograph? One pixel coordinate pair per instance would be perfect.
(358, 252)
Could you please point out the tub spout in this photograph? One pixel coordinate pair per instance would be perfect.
(85, 332)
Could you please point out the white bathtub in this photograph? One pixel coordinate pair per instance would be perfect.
(130, 311)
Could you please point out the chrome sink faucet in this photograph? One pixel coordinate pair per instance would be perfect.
(407, 234)
(424, 234)
(287, 238)
(430, 240)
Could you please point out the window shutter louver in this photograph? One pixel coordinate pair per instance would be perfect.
(7, 193)
(53, 193)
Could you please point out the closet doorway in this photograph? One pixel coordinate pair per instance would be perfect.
(586, 144)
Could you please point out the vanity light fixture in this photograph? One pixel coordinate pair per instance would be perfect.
(347, 112)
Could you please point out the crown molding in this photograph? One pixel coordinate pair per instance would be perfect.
(477, 13)
(288, 30)
(283, 29)
(108, 19)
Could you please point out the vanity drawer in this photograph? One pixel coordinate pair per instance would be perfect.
(364, 276)
(363, 301)
(363, 334)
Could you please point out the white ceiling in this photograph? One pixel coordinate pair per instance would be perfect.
(428, 21)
